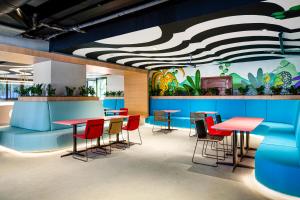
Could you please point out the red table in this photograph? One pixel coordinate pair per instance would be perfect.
(169, 117)
(241, 124)
(75, 122)
(115, 111)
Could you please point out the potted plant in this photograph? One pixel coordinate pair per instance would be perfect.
(113, 93)
(228, 91)
(120, 93)
(276, 90)
(107, 93)
(260, 90)
(293, 90)
(243, 90)
(70, 91)
(213, 91)
(22, 91)
(202, 91)
(83, 91)
(50, 90)
(91, 91)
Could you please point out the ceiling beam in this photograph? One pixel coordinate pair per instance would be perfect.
(39, 56)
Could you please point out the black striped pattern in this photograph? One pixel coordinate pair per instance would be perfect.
(240, 35)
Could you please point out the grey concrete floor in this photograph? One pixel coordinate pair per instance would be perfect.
(161, 168)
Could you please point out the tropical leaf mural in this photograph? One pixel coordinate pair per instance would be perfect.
(193, 85)
(284, 75)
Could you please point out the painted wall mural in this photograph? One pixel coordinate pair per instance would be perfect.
(280, 76)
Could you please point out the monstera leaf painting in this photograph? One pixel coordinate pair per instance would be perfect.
(224, 68)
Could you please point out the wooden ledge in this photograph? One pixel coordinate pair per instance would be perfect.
(113, 98)
(261, 97)
(75, 98)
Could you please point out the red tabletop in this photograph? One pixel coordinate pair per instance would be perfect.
(207, 112)
(171, 111)
(71, 122)
(116, 111)
(246, 124)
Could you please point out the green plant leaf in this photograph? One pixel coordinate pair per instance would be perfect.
(225, 70)
(275, 14)
(280, 17)
(221, 67)
(227, 64)
(295, 8)
(188, 88)
(197, 79)
(191, 82)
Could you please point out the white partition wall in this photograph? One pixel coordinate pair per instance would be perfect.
(59, 75)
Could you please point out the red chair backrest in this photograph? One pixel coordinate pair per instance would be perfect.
(94, 128)
(124, 113)
(133, 122)
(209, 123)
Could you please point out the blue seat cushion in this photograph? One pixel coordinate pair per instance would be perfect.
(278, 167)
(267, 128)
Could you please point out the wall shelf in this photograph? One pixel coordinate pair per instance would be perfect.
(62, 98)
(266, 97)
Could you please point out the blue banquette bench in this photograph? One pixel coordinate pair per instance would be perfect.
(277, 160)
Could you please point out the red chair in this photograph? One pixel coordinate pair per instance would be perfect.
(209, 123)
(133, 124)
(213, 132)
(93, 130)
(124, 113)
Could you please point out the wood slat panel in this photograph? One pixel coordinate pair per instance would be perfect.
(136, 94)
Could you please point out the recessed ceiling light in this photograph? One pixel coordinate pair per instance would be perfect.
(264, 30)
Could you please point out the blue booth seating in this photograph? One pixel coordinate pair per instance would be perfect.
(32, 129)
(114, 104)
(277, 160)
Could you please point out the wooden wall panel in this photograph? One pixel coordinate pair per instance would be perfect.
(136, 95)
(5, 114)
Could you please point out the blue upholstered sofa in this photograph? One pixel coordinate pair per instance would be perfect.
(277, 160)
(32, 128)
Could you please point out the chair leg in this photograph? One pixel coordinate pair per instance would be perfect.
(195, 151)
(203, 146)
(140, 137)
(86, 149)
(109, 144)
(193, 159)
(217, 155)
(128, 139)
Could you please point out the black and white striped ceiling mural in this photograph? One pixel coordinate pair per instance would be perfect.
(10, 68)
(245, 34)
